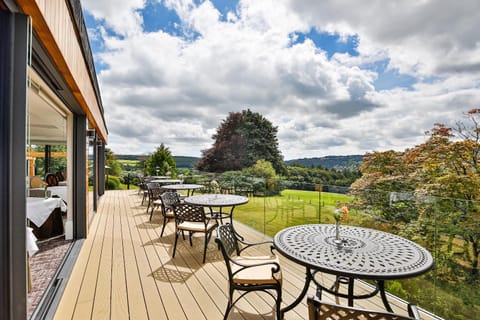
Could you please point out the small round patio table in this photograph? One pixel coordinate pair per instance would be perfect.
(361, 254)
(189, 187)
(217, 200)
(166, 181)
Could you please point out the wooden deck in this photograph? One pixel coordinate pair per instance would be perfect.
(125, 271)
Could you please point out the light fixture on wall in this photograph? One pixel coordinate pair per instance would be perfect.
(91, 133)
(90, 136)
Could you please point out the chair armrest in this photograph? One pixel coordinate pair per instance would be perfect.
(413, 312)
(246, 245)
(275, 265)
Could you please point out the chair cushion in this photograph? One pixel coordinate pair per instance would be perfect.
(169, 214)
(36, 182)
(258, 274)
(195, 226)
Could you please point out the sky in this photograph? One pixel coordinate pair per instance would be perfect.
(336, 77)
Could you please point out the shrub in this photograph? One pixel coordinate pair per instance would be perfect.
(113, 183)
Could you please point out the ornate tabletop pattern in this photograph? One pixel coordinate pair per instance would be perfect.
(216, 200)
(182, 186)
(364, 253)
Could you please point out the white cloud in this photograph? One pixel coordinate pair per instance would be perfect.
(120, 15)
(421, 36)
(159, 88)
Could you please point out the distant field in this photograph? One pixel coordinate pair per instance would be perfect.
(124, 162)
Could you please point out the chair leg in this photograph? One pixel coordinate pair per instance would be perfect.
(229, 304)
(278, 303)
(151, 213)
(205, 248)
(165, 220)
(208, 236)
(175, 245)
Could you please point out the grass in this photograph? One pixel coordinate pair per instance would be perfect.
(292, 207)
(130, 163)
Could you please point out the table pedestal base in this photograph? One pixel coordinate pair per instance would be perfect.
(334, 290)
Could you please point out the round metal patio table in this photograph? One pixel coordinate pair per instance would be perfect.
(362, 254)
(166, 181)
(189, 187)
(217, 200)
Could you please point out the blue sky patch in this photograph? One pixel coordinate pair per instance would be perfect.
(95, 39)
(330, 43)
(225, 6)
(157, 17)
(391, 78)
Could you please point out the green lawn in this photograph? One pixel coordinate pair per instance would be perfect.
(293, 207)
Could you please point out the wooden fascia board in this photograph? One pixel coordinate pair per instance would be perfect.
(30, 8)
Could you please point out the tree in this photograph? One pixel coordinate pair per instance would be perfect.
(242, 139)
(263, 169)
(113, 167)
(260, 141)
(449, 168)
(443, 174)
(160, 162)
(226, 153)
(385, 177)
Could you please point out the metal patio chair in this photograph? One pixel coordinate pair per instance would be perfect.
(192, 219)
(168, 200)
(248, 273)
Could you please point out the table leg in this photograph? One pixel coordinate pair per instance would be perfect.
(381, 287)
(351, 282)
(308, 279)
(231, 222)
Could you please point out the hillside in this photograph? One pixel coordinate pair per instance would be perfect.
(185, 162)
(181, 161)
(330, 162)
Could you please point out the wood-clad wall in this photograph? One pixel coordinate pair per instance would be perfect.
(53, 24)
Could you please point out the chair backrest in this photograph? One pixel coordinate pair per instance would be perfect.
(51, 179)
(319, 310)
(60, 176)
(186, 212)
(227, 240)
(150, 187)
(228, 243)
(169, 199)
(156, 190)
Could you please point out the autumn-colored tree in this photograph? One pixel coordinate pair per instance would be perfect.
(242, 139)
(442, 176)
(385, 185)
(449, 169)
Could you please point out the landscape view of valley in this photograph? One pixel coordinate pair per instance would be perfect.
(163, 158)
